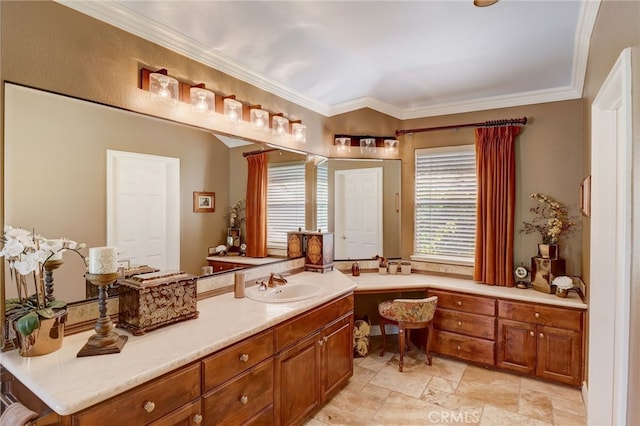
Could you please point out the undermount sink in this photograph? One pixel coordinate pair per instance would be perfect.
(284, 293)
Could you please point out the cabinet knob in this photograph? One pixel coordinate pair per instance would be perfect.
(325, 338)
(197, 419)
(541, 334)
(459, 323)
(320, 342)
(244, 357)
(531, 333)
(149, 406)
(459, 303)
(459, 347)
(537, 315)
(243, 399)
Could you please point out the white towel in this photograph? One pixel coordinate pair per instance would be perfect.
(17, 414)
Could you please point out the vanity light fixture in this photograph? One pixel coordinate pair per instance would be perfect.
(163, 88)
(279, 125)
(232, 109)
(367, 144)
(259, 118)
(343, 144)
(202, 100)
(299, 131)
(391, 146)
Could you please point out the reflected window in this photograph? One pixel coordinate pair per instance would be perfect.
(445, 204)
(322, 196)
(285, 202)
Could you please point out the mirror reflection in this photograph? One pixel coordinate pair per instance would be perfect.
(59, 154)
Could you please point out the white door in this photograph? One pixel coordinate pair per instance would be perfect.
(610, 257)
(143, 208)
(358, 213)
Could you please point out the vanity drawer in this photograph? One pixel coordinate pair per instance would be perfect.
(242, 398)
(147, 402)
(461, 322)
(302, 326)
(541, 314)
(463, 347)
(465, 302)
(229, 362)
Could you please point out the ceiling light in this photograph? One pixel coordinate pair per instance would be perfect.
(202, 100)
(163, 88)
(232, 110)
(367, 144)
(484, 3)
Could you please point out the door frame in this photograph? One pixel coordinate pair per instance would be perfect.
(172, 206)
(610, 252)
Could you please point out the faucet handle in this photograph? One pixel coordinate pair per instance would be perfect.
(262, 286)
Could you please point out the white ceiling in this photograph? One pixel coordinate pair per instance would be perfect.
(408, 59)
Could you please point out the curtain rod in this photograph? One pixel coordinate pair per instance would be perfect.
(504, 122)
(260, 151)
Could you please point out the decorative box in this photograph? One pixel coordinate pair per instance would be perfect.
(296, 244)
(319, 256)
(149, 301)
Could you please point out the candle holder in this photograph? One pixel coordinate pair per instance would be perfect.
(105, 341)
(50, 265)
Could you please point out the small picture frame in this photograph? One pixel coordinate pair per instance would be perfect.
(585, 196)
(204, 202)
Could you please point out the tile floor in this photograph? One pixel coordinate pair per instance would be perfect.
(447, 393)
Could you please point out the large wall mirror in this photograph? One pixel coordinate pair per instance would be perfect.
(56, 165)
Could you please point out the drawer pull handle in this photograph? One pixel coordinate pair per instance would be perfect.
(531, 333)
(459, 323)
(197, 419)
(149, 406)
(243, 399)
(459, 303)
(320, 342)
(244, 357)
(325, 338)
(537, 315)
(541, 334)
(459, 348)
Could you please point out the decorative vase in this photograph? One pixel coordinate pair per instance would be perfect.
(548, 251)
(43, 340)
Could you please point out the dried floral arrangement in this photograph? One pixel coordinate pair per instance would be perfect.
(551, 219)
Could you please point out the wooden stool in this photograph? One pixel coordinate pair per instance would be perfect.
(407, 314)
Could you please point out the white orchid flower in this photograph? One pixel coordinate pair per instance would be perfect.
(28, 265)
(12, 248)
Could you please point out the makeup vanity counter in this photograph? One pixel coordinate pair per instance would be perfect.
(68, 384)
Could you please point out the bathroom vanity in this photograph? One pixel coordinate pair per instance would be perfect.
(240, 362)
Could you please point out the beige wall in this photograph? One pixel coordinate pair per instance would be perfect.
(617, 27)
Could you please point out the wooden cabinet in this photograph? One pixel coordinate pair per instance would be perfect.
(315, 361)
(464, 326)
(149, 402)
(225, 266)
(188, 415)
(541, 340)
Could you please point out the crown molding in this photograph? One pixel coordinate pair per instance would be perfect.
(121, 17)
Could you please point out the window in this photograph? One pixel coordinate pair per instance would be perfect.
(445, 216)
(322, 197)
(285, 202)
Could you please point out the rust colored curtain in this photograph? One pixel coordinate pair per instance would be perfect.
(256, 206)
(495, 212)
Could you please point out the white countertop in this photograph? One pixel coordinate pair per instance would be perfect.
(68, 384)
(244, 260)
(376, 282)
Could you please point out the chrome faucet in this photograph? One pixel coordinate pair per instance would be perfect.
(276, 280)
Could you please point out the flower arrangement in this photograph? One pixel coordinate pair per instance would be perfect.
(551, 219)
(237, 214)
(27, 255)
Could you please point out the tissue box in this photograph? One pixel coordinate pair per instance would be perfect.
(149, 301)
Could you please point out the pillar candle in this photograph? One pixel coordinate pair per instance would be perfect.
(103, 260)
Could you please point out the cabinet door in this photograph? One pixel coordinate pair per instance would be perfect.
(298, 381)
(337, 355)
(560, 355)
(517, 346)
(189, 415)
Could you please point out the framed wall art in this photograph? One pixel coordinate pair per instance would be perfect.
(585, 196)
(204, 202)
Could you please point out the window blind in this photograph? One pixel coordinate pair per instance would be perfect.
(445, 207)
(322, 197)
(285, 202)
